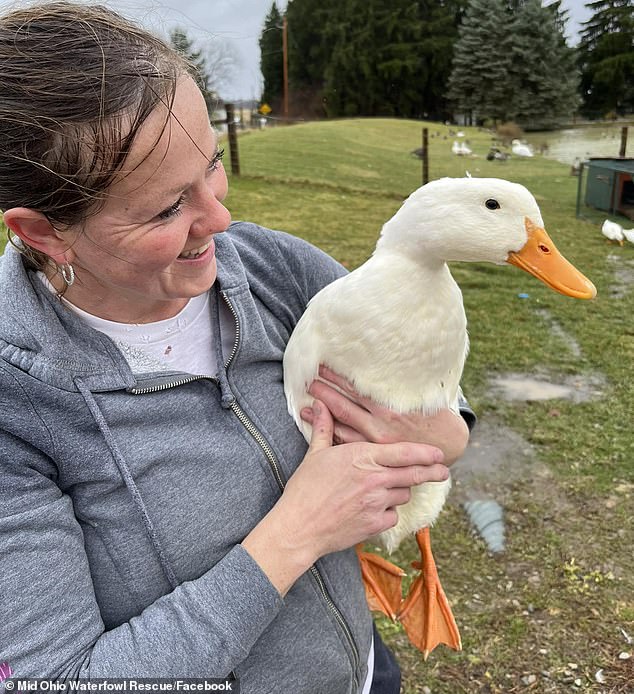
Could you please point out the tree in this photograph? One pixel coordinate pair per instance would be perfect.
(373, 67)
(511, 62)
(371, 58)
(606, 58)
(313, 26)
(181, 43)
(271, 58)
(220, 60)
(543, 76)
(479, 84)
(439, 33)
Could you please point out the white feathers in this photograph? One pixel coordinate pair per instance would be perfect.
(615, 232)
(396, 326)
(461, 149)
(521, 150)
(612, 231)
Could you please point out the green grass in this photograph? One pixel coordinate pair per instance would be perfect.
(564, 589)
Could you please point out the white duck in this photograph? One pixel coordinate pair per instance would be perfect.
(396, 328)
(612, 231)
(521, 150)
(629, 234)
(461, 149)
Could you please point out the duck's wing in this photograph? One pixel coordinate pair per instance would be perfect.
(318, 334)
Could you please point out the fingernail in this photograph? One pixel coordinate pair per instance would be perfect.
(316, 408)
(439, 456)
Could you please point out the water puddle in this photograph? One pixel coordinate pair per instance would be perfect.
(520, 387)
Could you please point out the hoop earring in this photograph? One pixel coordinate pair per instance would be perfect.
(68, 274)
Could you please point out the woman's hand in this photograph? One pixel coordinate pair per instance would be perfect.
(338, 496)
(360, 419)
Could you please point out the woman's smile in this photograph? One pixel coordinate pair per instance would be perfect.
(197, 253)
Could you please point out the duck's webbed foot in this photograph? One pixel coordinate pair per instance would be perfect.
(426, 614)
(382, 581)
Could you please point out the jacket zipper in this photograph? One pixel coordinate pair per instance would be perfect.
(168, 385)
(273, 463)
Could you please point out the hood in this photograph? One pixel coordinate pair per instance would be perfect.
(42, 337)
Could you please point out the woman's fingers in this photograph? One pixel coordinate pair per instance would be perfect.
(342, 433)
(345, 409)
(323, 427)
(357, 418)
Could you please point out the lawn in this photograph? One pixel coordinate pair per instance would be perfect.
(556, 607)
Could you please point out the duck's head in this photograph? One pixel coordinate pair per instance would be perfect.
(482, 219)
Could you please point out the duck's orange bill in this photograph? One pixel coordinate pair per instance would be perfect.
(540, 258)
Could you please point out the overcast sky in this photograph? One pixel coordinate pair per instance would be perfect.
(239, 23)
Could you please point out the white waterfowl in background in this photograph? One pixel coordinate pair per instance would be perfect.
(396, 329)
(613, 231)
(521, 150)
(461, 149)
(629, 234)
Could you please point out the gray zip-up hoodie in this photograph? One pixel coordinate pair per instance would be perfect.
(124, 496)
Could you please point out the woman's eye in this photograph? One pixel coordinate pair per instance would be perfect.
(217, 158)
(172, 210)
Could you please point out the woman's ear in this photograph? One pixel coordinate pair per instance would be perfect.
(36, 231)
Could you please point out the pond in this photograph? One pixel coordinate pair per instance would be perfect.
(582, 142)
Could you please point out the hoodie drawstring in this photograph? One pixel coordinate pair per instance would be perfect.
(128, 480)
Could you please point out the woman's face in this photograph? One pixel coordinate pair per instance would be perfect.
(151, 248)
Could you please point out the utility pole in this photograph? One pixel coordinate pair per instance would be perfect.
(285, 59)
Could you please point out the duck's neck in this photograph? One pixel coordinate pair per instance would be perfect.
(417, 359)
(406, 278)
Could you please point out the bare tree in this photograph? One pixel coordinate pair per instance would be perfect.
(221, 63)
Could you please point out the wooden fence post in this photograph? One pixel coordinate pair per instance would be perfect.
(623, 141)
(233, 140)
(425, 156)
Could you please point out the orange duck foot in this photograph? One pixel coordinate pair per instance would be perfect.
(426, 615)
(382, 581)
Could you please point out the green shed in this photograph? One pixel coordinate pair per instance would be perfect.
(610, 185)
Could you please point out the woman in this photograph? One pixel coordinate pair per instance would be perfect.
(160, 515)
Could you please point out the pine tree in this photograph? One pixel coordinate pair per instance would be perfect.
(375, 60)
(606, 58)
(511, 62)
(479, 82)
(543, 74)
(181, 43)
(272, 58)
(439, 33)
(371, 58)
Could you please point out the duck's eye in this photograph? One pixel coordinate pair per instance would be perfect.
(492, 204)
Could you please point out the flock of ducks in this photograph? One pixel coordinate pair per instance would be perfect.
(519, 149)
(614, 232)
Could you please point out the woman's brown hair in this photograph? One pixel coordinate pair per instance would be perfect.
(76, 84)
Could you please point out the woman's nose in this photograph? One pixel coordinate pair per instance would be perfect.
(213, 217)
